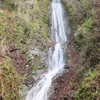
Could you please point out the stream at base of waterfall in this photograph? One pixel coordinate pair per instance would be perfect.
(59, 32)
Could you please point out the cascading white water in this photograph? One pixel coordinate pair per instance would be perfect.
(59, 29)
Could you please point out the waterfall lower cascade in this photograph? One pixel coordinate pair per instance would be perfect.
(59, 31)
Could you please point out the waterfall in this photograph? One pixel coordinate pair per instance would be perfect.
(59, 31)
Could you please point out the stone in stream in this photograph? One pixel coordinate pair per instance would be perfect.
(29, 81)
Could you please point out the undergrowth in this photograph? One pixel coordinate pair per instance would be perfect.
(90, 87)
(85, 21)
(25, 34)
(9, 81)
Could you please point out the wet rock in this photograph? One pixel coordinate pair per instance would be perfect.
(23, 91)
(29, 81)
(67, 67)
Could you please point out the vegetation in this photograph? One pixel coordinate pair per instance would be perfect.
(28, 29)
(9, 80)
(89, 89)
(25, 29)
(10, 4)
(85, 20)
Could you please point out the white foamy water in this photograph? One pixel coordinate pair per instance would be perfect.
(56, 64)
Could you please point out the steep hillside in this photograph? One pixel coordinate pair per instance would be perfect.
(23, 39)
(81, 82)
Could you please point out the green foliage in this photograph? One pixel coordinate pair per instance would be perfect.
(89, 87)
(38, 26)
(85, 30)
(87, 25)
(85, 4)
(9, 81)
(9, 1)
(37, 67)
(10, 4)
(78, 11)
(14, 29)
(17, 30)
(85, 21)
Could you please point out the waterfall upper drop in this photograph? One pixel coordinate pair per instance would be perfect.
(59, 31)
(58, 22)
